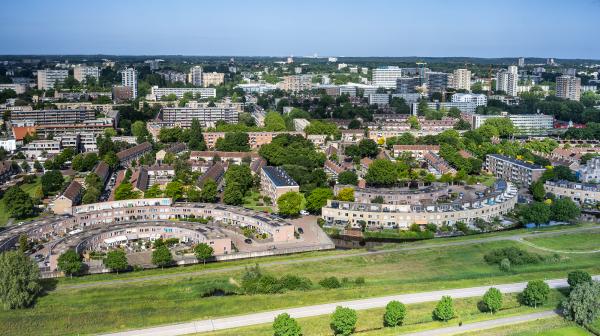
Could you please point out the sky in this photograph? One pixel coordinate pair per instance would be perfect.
(483, 28)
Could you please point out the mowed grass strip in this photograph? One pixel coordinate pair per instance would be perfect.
(145, 304)
(574, 242)
(554, 326)
(418, 318)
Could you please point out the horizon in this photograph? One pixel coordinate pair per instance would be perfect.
(547, 29)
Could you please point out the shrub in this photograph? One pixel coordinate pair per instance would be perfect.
(293, 282)
(505, 265)
(330, 282)
(492, 300)
(359, 281)
(444, 311)
(515, 255)
(394, 314)
(284, 325)
(343, 321)
(578, 277)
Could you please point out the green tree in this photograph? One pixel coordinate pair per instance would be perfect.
(318, 199)
(583, 304)
(290, 203)
(538, 213)
(284, 325)
(444, 311)
(125, 191)
(91, 195)
(368, 148)
(537, 190)
(346, 195)
(161, 256)
(232, 194)
(203, 251)
(38, 166)
(209, 192)
(70, 263)
(274, 122)
(382, 173)
(116, 260)
(504, 126)
(239, 175)
(348, 177)
(111, 159)
(196, 139)
(536, 293)
(233, 142)
(19, 280)
(139, 131)
(492, 300)
(576, 278)
(52, 181)
(153, 192)
(23, 243)
(343, 321)
(565, 210)
(19, 203)
(394, 315)
(174, 190)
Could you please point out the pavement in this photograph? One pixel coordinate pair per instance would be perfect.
(516, 237)
(483, 325)
(324, 309)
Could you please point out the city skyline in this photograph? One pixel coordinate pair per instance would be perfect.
(267, 28)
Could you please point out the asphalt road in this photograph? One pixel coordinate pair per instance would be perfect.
(483, 325)
(323, 309)
(516, 237)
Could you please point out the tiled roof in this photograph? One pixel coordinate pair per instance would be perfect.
(135, 150)
(73, 190)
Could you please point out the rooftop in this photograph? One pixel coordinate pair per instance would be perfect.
(279, 177)
(517, 162)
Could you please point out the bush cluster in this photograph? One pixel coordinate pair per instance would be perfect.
(255, 281)
(515, 255)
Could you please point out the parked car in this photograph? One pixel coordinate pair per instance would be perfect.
(300, 231)
(248, 241)
(304, 213)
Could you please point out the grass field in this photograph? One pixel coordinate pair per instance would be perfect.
(418, 318)
(144, 304)
(250, 202)
(555, 326)
(588, 241)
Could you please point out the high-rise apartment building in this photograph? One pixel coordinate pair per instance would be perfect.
(129, 79)
(212, 79)
(47, 78)
(507, 80)
(296, 83)
(386, 77)
(568, 87)
(195, 75)
(82, 72)
(521, 62)
(437, 81)
(407, 84)
(461, 79)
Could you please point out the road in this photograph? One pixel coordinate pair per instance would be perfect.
(516, 237)
(483, 325)
(323, 309)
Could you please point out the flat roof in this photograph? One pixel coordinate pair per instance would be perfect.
(279, 177)
(517, 162)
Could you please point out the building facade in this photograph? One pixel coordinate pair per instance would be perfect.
(386, 77)
(461, 79)
(274, 182)
(129, 79)
(513, 170)
(82, 72)
(47, 78)
(568, 87)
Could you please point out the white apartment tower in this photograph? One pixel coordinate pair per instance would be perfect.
(568, 87)
(129, 79)
(507, 80)
(47, 78)
(521, 62)
(386, 77)
(461, 79)
(82, 72)
(195, 75)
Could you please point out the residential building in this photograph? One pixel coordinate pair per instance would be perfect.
(129, 79)
(416, 151)
(156, 93)
(582, 193)
(255, 139)
(121, 93)
(212, 79)
(461, 79)
(18, 88)
(128, 155)
(525, 124)
(206, 115)
(386, 77)
(300, 124)
(52, 117)
(437, 164)
(591, 171)
(39, 148)
(379, 99)
(568, 87)
(216, 172)
(274, 182)
(9, 145)
(464, 107)
(257, 87)
(508, 80)
(521, 62)
(195, 75)
(296, 83)
(437, 81)
(172, 76)
(234, 157)
(478, 99)
(510, 169)
(47, 78)
(82, 72)
(63, 205)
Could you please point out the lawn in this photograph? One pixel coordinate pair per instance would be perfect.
(254, 201)
(418, 318)
(588, 241)
(161, 301)
(555, 326)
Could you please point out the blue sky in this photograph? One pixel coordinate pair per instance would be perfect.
(508, 28)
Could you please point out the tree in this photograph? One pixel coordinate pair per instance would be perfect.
(537, 190)
(19, 203)
(565, 210)
(25, 167)
(354, 124)
(318, 199)
(346, 195)
(116, 260)
(492, 300)
(583, 304)
(535, 293)
(290, 203)
(91, 195)
(382, 173)
(153, 192)
(343, 321)
(38, 166)
(284, 325)
(209, 191)
(394, 315)
(23, 243)
(504, 126)
(444, 311)
(70, 263)
(232, 194)
(161, 256)
(233, 142)
(576, 278)
(174, 190)
(125, 191)
(19, 280)
(538, 213)
(348, 177)
(196, 139)
(139, 131)
(368, 148)
(240, 175)
(203, 252)
(52, 181)
(111, 159)
(274, 122)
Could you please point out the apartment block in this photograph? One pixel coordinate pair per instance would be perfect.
(47, 78)
(513, 170)
(274, 182)
(195, 75)
(202, 93)
(53, 117)
(568, 87)
(296, 83)
(212, 79)
(129, 79)
(207, 116)
(461, 79)
(82, 72)
(386, 77)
